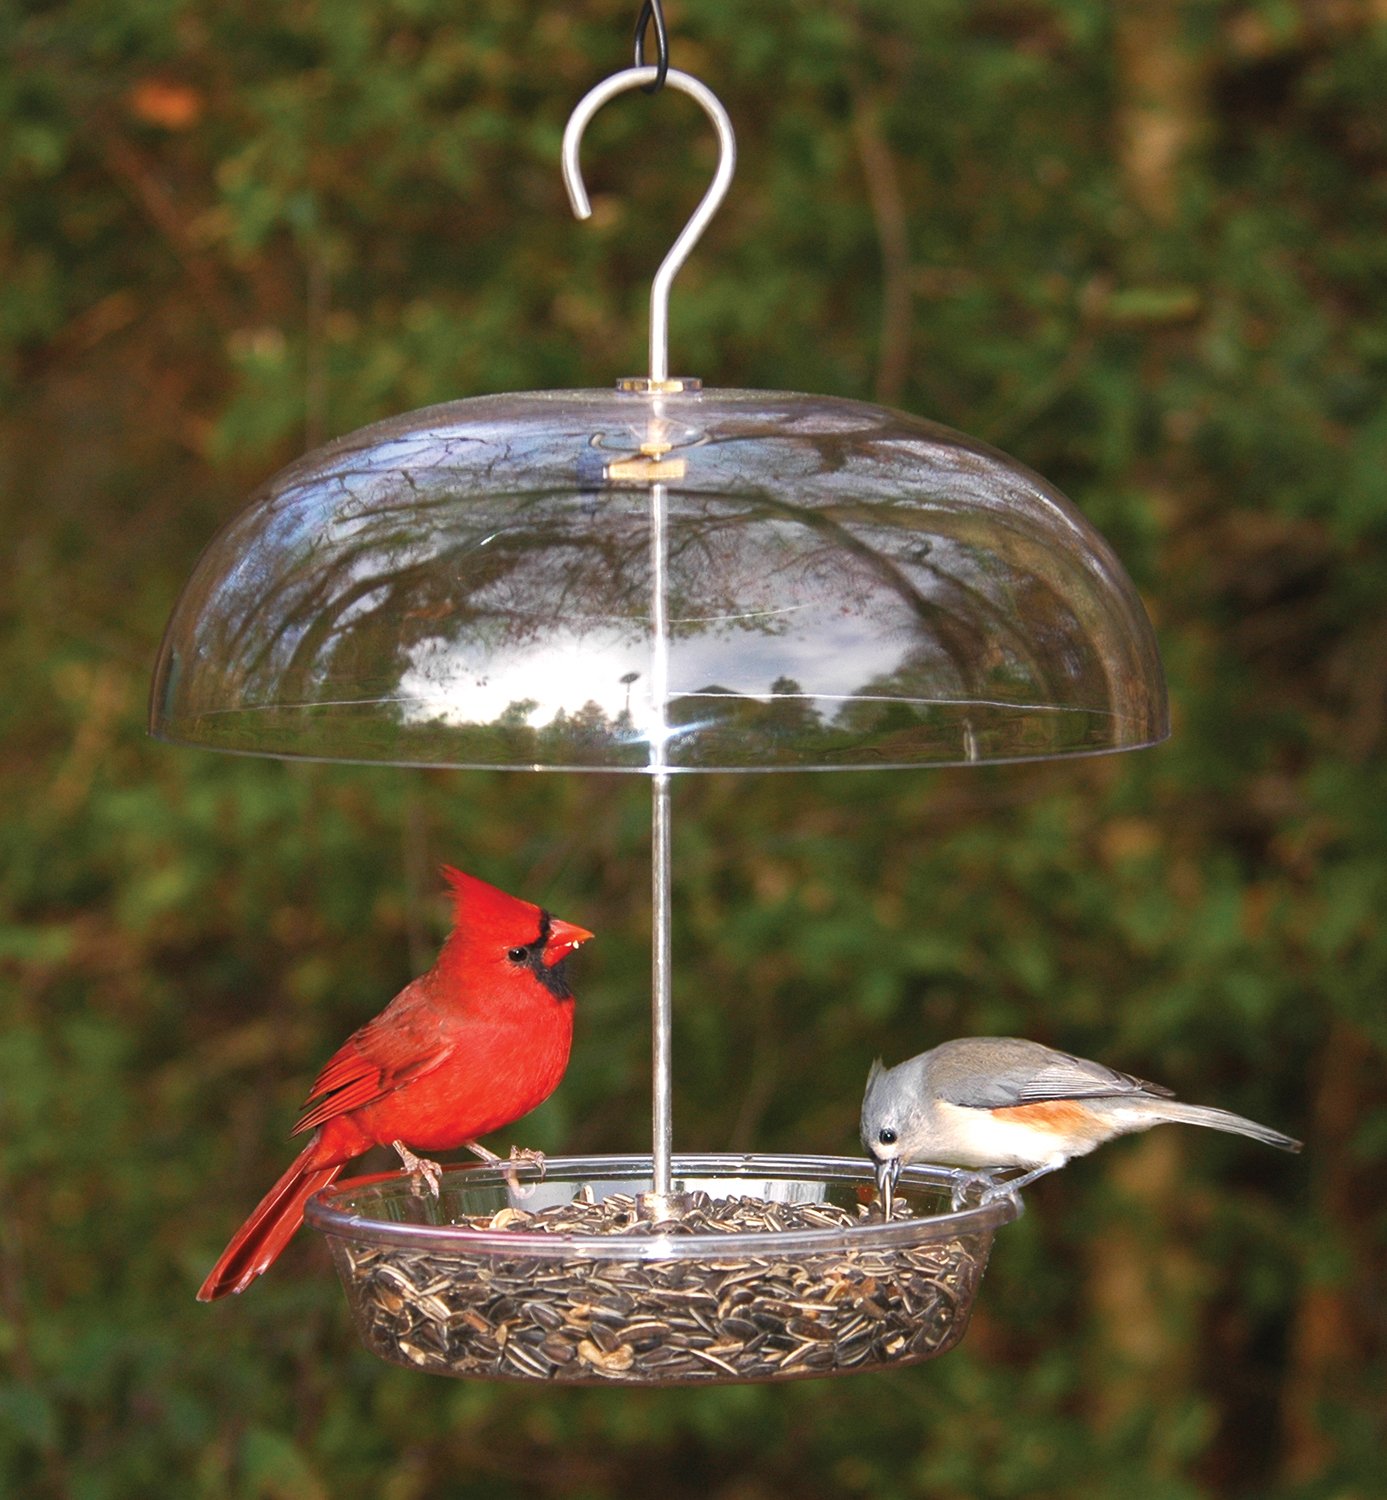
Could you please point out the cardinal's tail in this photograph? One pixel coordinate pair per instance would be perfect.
(257, 1243)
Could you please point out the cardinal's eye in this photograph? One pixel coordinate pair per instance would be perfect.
(517, 955)
(887, 1137)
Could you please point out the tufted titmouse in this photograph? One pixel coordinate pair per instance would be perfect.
(997, 1101)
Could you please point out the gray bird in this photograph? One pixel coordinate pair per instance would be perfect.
(998, 1101)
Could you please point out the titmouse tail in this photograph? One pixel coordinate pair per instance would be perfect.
(1223, 1119)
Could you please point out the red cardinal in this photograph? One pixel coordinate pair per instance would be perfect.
(467, 1048)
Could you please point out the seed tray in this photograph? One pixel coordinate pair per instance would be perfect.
(756, 1268)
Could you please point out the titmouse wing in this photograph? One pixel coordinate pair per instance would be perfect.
(997, 1072)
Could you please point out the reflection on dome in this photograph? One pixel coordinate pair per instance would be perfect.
(845, 586)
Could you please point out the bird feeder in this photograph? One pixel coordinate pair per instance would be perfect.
(660, 580)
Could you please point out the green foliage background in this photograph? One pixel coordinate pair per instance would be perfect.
(1143, 246)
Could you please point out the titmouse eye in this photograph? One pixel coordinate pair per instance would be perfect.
(887, 1136)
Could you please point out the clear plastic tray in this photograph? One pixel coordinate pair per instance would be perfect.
(657, 1305)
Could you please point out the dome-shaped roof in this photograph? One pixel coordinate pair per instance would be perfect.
(619, 580)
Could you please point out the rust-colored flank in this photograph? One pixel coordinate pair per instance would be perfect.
(1063, 1116)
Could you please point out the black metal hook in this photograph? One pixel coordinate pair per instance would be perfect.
(653, 10)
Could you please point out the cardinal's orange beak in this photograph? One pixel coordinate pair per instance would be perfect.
(564, 937)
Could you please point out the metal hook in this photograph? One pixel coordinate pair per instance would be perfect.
(618, 83)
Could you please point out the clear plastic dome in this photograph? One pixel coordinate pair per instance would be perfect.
(627, 581)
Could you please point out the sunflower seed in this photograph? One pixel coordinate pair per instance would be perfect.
(570, 1317)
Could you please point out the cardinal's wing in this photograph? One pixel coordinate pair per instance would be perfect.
(406, 1041)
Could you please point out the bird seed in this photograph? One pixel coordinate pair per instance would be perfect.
(577, 1318)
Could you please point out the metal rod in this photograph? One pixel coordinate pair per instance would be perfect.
(661, 1009)
(661, 962)
(678, 253)
(660, 862)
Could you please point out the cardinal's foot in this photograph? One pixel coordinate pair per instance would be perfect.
(421, 1170)
(523, 1156)
(520, 1156)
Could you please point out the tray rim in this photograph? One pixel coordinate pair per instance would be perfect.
(978, 1219)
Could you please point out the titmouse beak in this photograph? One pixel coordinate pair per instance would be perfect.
(564, 937)
(887, 1173)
